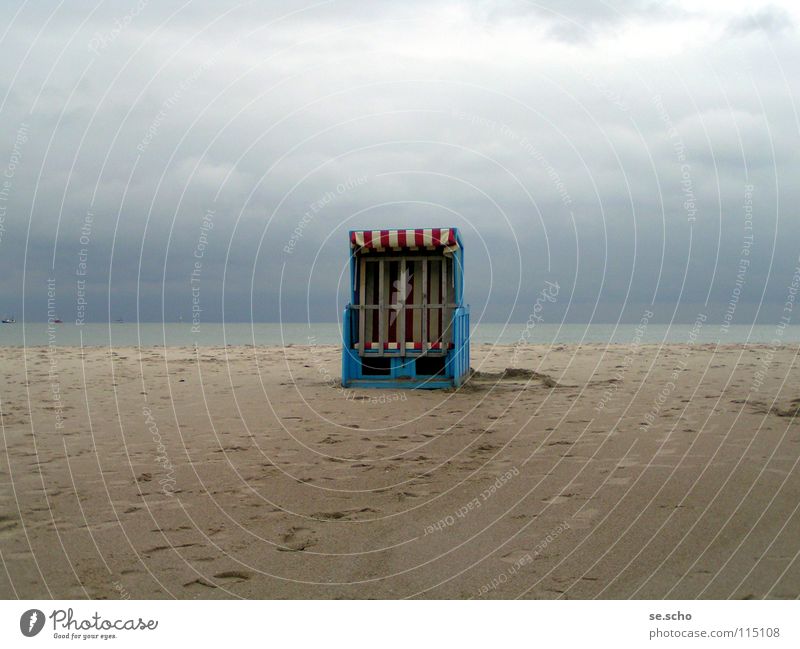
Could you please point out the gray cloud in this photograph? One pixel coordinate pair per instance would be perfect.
(770, 19)
(580, 21)
(622, 176)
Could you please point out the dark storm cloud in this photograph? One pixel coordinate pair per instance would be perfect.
(161, 135)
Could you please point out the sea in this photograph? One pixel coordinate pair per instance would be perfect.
(176, 334)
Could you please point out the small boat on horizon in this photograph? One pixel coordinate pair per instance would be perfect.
(9, 321)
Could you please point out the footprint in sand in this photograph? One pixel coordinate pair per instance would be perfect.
(230, 449)
(237, 575)
(410, 494)
(199, 582)
(347, 514)
(7, 523)
(162, 548)
(297, 539)
(515, 555)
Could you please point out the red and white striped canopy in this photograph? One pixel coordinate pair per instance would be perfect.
(428, 238)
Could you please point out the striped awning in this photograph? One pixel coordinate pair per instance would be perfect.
(417, 239)
(394, 346)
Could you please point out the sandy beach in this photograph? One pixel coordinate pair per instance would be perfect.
(594, 471)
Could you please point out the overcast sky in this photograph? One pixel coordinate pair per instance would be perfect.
(641, 155)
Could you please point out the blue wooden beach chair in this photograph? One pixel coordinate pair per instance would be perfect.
(406, 325)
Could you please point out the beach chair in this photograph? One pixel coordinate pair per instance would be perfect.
(406, 325)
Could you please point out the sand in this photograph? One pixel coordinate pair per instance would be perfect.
(611, 472)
